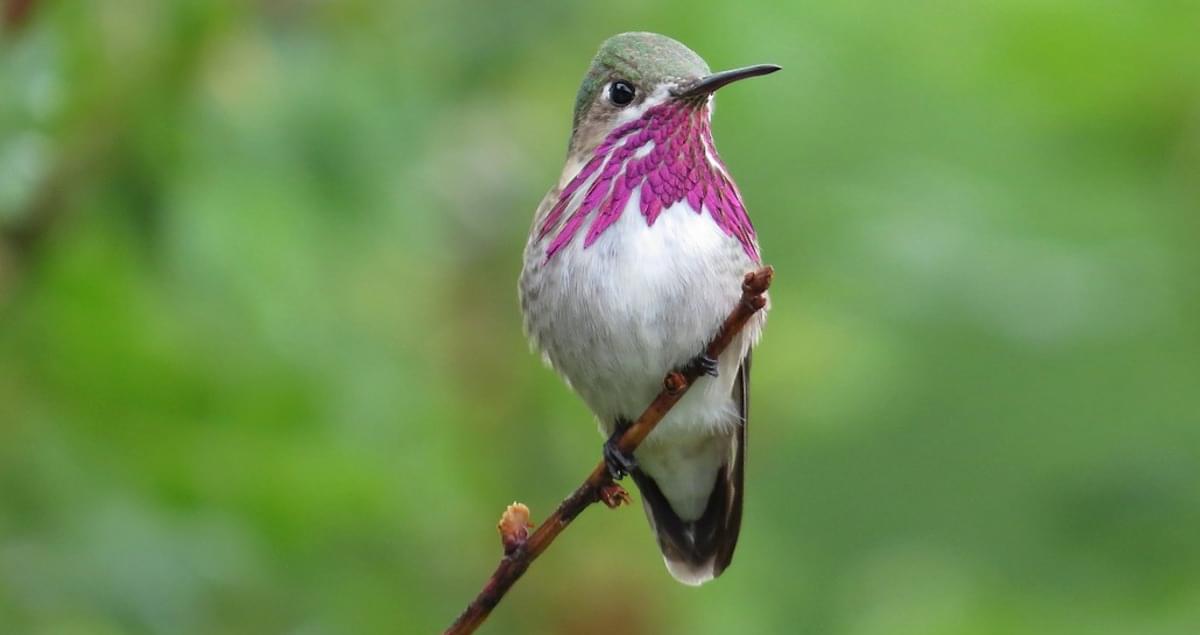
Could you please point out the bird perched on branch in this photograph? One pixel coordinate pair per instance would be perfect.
(634, 259)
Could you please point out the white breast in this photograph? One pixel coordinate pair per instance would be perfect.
(614, 317)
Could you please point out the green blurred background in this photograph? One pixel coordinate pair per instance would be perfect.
(261, 363)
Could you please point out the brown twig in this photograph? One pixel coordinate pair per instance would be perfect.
(598, 485)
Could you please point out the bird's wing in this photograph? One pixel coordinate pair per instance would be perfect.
(737, 471)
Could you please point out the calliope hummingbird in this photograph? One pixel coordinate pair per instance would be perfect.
(634, 260)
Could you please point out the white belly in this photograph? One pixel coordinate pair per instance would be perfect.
(615, 317)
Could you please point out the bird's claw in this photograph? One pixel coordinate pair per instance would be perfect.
(619, 463)
(703, 364)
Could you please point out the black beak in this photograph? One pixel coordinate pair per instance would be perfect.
(706, 85)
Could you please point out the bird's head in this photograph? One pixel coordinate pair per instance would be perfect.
(633, 73)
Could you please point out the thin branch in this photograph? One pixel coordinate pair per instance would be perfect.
(520, 552)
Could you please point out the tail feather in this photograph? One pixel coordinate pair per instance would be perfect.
(698, 551)
(695, 551)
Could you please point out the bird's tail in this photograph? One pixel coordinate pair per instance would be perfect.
(699, 550)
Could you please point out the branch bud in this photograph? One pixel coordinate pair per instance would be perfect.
(514, 527)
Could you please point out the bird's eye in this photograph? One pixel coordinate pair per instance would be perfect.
(621, 93)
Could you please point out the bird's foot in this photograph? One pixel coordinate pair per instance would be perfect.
(619, 463)
(702, 364)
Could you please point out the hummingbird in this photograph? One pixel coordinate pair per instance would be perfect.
(633, 262)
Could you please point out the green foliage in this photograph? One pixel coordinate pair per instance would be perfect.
(263, 370)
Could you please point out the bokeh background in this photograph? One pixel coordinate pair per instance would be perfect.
(261, 363)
